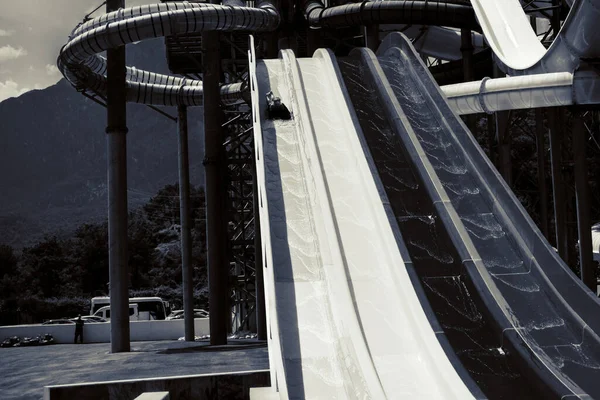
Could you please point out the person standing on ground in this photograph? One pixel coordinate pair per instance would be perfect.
(79, 328)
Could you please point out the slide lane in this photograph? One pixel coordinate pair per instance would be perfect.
(545, 319)
(344, 318)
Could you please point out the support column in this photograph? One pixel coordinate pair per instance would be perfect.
(186, 233)
(116, 130)
(466, 48)
(541, 162)
(504, 142)
(371, 33)
(556, 122)
(261, 316)
(214, 169)
(313, 39)
(584, 223)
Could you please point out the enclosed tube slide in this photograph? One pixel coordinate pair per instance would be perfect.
(425, 12)
(81, 65)
(344, 318)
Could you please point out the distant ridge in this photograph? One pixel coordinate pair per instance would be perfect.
(53, 156)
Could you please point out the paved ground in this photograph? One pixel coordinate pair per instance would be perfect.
(24, 371)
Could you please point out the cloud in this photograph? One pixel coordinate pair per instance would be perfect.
(11, 88)
(52, 70)
(10, 53)
(4, 33)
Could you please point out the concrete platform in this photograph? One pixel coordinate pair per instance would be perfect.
(24, 371)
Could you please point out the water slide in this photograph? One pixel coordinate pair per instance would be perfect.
(415, 276)
(542, 320)
(344, 320)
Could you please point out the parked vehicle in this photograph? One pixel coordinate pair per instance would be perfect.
(58, 322)
(134, 314)
(150, 308)
(90, 319)
(178, 314)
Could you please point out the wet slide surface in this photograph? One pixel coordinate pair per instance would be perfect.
(457, 315)
(344, 319)
(512, 311)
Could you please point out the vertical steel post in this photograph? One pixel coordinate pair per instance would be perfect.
(116, 130)
(556, 122)
(541, 162)
(186, 233)
(371, 33)
(215, 173)
(466, 48)
(584, 223)
(555, 21)
(261, 316)
(504, 142)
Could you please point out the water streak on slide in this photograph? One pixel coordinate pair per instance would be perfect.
(344, 318)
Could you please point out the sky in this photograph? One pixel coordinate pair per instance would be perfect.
(31, 35)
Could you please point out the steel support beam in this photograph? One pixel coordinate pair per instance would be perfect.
(186, 232)
(116, 110)
(371, 33)
(584, 223)
(214, 169)
(556, 122)
(541, 162)
(466, 48)
(504, 142)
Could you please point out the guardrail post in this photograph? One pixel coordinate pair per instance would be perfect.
(116, 130)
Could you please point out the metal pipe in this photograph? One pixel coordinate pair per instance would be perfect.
(555, 120)
(510, 93)
(584, 223)
(116, 130)
(186, 233)
(214, 169)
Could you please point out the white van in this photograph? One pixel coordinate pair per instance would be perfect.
(150, 308)
(134, 314)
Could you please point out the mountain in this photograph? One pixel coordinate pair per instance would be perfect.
(53, 156)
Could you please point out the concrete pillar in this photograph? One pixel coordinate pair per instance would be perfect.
(556, 125)
(186, 233)
(117, 194)
(215, 173)
(584, 223)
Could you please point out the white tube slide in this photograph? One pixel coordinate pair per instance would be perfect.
(508, 31)
(84, 68)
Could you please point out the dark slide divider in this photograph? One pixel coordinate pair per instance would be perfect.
(506, 308)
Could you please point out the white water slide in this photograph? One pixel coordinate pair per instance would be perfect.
(344, 319)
